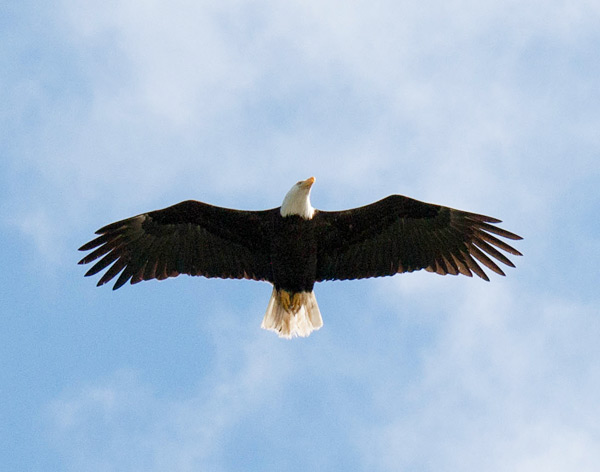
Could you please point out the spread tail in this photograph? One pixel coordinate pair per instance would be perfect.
(291, 315)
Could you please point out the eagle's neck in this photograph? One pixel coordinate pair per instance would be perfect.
(297, 201)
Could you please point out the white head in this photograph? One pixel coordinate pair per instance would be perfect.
(297, 200)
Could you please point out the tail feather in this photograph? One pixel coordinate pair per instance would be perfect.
(289, 322)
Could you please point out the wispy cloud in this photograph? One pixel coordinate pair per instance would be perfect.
(120, 423)
(493, 391)
(497, 391)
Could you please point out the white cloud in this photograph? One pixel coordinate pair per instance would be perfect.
(510, 385)
(122, 424)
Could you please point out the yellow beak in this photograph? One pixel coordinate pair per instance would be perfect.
(308, 182)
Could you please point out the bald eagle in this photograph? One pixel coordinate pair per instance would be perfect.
(295, 245)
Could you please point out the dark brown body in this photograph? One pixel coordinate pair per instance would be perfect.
(293, 254)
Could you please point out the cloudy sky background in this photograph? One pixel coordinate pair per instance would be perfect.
(112, 108)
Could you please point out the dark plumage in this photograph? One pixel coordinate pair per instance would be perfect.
(294, 246)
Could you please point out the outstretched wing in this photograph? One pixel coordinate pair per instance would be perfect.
(188, 238)
(400, 234)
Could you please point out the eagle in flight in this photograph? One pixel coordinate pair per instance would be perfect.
(295, 245)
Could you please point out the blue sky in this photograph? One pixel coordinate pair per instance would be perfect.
(111, 109)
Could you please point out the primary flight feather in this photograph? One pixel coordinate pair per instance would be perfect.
(295, 245)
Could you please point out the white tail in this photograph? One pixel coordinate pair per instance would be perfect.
(298, 316)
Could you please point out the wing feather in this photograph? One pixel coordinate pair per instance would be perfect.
(188, 238)
(103, 263)
(461, 265)
(485, 260)
(474, 267)
(499, 231)
(493, 252)
(452, 269)
(400, 234)
(113, 270)
(483, 236)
